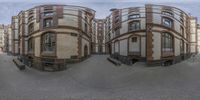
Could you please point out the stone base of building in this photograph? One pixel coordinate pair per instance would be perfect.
(103, 53)
(48, 64)
(169, 61)
(129, 60)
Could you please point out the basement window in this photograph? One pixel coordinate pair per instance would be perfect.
(134, 39)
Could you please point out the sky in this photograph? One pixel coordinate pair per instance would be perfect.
(10, 8)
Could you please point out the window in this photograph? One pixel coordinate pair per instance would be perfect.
(30, 44)
(117, 32)
(48, 42)
(48, 13)
(182, 30)
(48, 22)
(167, 13)
(48, 8)
(187, 36)
(187, 48)
(116, 19)
(133, 16)
(167, 42)
(181, 18)
(86, 27)
(167, 22)
(86, 19)
(30, 12)
(135, 25)
(30, 18)
(134, 39)
(182, 46)
(30, 28)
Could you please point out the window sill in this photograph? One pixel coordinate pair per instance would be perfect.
(167, 54)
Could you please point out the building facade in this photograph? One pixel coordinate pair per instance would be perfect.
(9, 39)
(156, 34)
(98, 41)
(1, 38)
(193, 35)
(198, 38)
(14, 36)
(51, 35)
(5, 38)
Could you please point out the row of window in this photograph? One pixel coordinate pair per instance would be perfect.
(167, 43)
(135, 25)
(49, 42)
(167, 13)
(48, 22)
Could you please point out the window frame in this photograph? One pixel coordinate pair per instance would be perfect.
(182, 31)
(30, 30)
(167, 38)
(30, 18)
(48, 13)
(164, 19)
(117, 32)
(51, 41)
(30, 44)
(134, 39)
(136, 16)
(45, 22)
(181, 18)
(135, 28)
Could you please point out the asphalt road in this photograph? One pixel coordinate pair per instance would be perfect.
(98, 79)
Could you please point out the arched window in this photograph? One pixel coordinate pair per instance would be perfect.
(48, 42)
(167, 22)
(167, 42)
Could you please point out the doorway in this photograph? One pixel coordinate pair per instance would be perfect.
(85, 51)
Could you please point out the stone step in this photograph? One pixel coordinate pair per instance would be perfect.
(19, 64)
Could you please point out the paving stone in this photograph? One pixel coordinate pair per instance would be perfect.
(98, 79)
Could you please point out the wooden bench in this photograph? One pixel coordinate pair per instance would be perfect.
(115, 62)
(19, 64)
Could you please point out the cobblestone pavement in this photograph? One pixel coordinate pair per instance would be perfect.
(98, 79)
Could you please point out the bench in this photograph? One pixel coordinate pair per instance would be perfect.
(115, 62)
(19, 64)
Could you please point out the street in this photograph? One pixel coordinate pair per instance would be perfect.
(98, 79)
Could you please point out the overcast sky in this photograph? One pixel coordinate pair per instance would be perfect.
(102, 7)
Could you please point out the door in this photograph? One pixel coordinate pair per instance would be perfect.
(85, 51)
